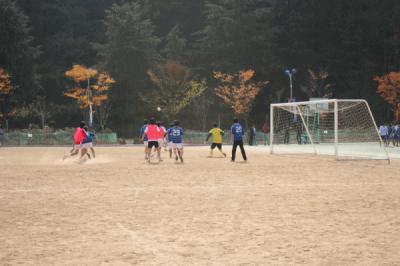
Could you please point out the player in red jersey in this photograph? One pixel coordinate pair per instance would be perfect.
(78, 138)
(153, 134)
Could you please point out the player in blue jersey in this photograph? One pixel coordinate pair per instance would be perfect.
(237, 139)
(174, 135)
(88, 142)
(143, 137)
(169, 140)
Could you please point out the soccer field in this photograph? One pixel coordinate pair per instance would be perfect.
(117, 210)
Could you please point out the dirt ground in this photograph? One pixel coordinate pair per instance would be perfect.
(117, 210)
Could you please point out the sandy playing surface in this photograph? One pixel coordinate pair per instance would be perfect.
(116, 210)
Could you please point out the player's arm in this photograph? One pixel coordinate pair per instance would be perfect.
(208, 136)
(144, 134)
(141, 133)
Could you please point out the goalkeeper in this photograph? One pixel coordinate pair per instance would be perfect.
(216, 134)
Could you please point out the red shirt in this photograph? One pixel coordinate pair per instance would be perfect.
(152, 132)
(79, 135)
(162, 132)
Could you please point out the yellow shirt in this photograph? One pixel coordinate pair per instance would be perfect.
(216, 135)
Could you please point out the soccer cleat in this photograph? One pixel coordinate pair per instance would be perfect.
(176, 157)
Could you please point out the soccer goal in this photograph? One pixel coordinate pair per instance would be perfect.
(343, 128)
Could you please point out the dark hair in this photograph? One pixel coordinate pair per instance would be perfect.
(235, 120)
(176, 123)
(215, 125)
(171, 125)
(82, 124)
(145, 121)
(86, 128)
(152, 120)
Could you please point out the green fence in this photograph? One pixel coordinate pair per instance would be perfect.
(25, 138)
(199, 138)
(51, 138)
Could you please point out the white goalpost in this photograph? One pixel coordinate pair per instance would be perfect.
(343, 128)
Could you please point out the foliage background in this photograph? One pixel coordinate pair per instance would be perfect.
(353, 41)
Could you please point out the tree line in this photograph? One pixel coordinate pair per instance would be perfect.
(196, 60)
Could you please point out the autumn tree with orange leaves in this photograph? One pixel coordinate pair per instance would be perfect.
(389, 90)
(87, 95)
(238, 91)
(6, 88)
(175, 89)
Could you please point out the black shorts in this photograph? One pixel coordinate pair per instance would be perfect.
(152, 144)
(219, 145)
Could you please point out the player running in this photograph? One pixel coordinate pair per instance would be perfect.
(163, 132)
(237, 139)
(152, 132)
(78, 138)
(175, 134)
(143, 137)
(216, 134)
(88, 142)
(169, 140)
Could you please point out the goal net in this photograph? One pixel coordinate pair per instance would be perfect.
(343, 128)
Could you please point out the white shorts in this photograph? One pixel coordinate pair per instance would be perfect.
(177, 145)
(145, 143)
(87, 145)
(78, 146)
(170, 145)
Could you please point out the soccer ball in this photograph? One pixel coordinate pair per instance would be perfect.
(159, 108)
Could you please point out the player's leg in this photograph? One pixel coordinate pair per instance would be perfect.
(158, 149)
(160, 145)
(234, 146)
(93, 152)
(242, 150)
(84, 152)
(148, 150)
(176, 151)
(180, 151)
(213, 145)
(170, 149)
(75, 150)
(219, 146)
(176, 154)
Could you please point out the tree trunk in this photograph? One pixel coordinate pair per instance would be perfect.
(43, 119)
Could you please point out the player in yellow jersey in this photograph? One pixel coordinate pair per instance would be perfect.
(216, 134)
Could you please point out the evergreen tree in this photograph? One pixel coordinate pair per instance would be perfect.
(17, 53)
(129, 51)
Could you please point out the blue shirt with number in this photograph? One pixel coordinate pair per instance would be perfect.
(237, 132)
(175, 134)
